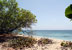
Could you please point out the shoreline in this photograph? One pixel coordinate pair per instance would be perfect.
(52, 38)
(43, 37)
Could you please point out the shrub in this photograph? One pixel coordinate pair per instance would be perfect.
(66, 44)
(20, 42)
(44, 41)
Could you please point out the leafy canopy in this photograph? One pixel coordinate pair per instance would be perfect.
(12, 17)
(68, 12)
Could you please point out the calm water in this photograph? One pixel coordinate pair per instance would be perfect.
(58, 34)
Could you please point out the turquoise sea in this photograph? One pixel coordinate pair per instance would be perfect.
(57, 34)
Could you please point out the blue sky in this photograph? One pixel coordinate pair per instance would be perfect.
(49, 13)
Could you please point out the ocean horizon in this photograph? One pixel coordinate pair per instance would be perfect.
(57, 34)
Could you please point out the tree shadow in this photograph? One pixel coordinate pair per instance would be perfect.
(5, 37)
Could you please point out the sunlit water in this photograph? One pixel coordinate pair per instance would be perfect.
(58, 34)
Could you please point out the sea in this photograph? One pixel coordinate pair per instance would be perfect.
(57, 34)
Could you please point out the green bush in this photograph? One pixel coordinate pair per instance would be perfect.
(20, 42)
(66, 44)
(44, 41)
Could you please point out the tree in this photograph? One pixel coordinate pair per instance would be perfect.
(12, 17)
(68, 12)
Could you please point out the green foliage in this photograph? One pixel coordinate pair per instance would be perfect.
(20, 42)
(44, 41)
(13, 18)
(66, 44)
(68, 12)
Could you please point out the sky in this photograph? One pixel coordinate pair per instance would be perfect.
(50, 14)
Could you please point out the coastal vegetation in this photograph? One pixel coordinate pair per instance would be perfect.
(21, 42)
(44, 41)
(66, 44)
(14, 18)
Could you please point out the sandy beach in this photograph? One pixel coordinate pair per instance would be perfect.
(56, 45)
